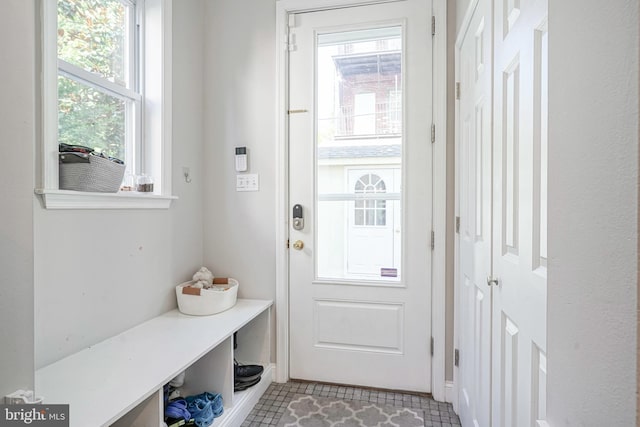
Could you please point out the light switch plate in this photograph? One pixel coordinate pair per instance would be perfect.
(248, 182)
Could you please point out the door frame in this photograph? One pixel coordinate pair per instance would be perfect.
(284, 8)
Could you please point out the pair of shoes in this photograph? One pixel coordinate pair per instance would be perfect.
(204, 408)
(246, 373)
(176, 413)
(243, 385)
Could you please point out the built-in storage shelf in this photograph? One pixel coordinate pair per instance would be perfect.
(119, 381)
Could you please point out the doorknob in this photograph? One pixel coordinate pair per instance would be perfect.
(492, 281)
(298, 245)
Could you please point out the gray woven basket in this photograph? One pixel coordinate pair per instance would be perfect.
(84, 172)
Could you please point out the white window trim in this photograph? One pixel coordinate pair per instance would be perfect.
(156, 121)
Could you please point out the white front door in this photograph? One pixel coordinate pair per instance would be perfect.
(473, 167)
(361, 168)
(519, 211)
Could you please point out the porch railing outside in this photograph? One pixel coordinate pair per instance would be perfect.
(386, 120)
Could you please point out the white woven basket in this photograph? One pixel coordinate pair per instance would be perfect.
(99, 175)
(209, 301)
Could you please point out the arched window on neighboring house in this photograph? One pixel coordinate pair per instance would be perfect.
(370, 213)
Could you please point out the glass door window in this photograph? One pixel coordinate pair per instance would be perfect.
(359, 155)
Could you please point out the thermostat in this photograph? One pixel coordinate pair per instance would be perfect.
(241, 159)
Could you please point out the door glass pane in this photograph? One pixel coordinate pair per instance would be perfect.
(359, 155)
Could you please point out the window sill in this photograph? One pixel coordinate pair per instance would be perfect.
(65, 199)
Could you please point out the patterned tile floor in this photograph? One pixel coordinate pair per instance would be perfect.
(275, 400)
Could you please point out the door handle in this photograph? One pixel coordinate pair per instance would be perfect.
(298, 245)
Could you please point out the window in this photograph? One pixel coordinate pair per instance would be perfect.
(99, 98)
(394, 109)
(106, 67)
(370, 212)
(364, 114)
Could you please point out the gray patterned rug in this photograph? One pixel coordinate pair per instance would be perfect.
(314, 411)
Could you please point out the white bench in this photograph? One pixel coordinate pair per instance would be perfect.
(119, 381)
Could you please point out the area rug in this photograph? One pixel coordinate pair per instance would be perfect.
(314, 411)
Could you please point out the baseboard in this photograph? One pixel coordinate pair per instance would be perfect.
(448, 391)
(244, 401)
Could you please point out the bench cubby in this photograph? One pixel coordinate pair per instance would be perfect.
(118, 382)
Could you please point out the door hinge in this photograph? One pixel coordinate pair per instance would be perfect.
(458, 224)
(432, 346)
(291, 44)
(433, 133)
(457, 90)
(433, 240)
(287, 243)
(291, 37)
(433, 25)
(456, 357)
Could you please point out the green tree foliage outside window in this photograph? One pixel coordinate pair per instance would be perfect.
(92, 35)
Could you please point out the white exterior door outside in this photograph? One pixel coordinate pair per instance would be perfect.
(474, 206)
(520, 212)
(370, 239)
(344, 328)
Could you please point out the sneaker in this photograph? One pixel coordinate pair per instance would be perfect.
(243, 385)
(246, 373)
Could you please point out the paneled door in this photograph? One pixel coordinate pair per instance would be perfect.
(360, 169)
(502, 200)
(520, 213)
(474, 206)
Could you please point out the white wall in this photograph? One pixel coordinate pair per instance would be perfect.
(593, 208)
(17, 137)
(240, 95)
(98, 273)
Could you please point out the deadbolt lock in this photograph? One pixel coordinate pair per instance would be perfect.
(491, 281)
(298, 220)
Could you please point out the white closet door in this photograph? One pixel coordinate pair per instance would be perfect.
(519, 213)
(474, 172)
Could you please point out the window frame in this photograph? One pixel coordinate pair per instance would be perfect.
(152, 154)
